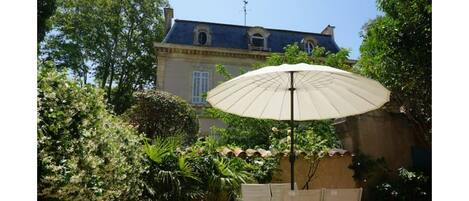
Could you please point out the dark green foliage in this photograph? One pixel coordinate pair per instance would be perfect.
(111, 41)
(197, 173)
(397, 52)
(407, 186)
(169, 176)
(159, 113)
(45, 9)
(366, 169)
(382, 183)
(84, 152)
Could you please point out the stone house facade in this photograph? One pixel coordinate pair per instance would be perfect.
(191, 49)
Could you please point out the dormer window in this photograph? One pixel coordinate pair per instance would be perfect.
(202, 35)
(202, 38)
(309, 47)
(309, 43)
(258, 38)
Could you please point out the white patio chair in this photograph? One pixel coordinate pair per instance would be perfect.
(302, 195)
(255, 192)
(277, 190)
(342, 194)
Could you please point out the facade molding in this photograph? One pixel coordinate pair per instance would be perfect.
(209, 51)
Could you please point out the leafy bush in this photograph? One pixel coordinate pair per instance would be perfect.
(407, 186)
(193, 174)
(382, 183)
(159, 113)
(170, 176)
(84, 152)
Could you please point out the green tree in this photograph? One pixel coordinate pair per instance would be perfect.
(111, 41)
(83, 152)
(45, 9)
(159, 113)
(396, 51)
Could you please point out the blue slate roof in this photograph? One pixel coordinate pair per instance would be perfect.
(235, 36)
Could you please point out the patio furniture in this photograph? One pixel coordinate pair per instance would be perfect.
(342, 194)
(264, 192)
(255, 192)
(302, 195)
(277, 190)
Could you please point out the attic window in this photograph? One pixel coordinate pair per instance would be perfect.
(257, 40)
(202, 37)
(309, 47)
(309, 43)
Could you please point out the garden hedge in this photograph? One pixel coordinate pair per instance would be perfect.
(84, 151)
(159, 113)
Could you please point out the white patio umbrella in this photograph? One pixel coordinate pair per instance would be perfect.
(298, 92)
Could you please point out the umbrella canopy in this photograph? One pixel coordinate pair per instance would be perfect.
(298, 92)
(321, 92)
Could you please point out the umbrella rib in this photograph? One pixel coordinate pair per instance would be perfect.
(270, 99)
(281, 106)
(230, 84)
(312, 102)
(283, 80)
(233, 91)
(241, 97)
(321, 79)
(297, 103)
(249, 105)
(354, 84)
(330, 102)
(360, 96)
(313, 76)
(358, 87)
(343, 98)
(350, 77)
(300, 80)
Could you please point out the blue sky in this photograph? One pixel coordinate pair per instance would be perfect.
(348, 16)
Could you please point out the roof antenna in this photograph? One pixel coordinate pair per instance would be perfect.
(245, 12)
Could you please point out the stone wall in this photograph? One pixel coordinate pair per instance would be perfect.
(379, 134)
(332, 172)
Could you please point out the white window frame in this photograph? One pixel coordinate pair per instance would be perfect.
(258, 37)
(308, 50)
(200, 85)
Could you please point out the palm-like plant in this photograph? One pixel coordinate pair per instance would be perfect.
(169, 177)
(226, 178)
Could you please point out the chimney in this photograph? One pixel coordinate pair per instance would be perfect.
(329, 30)
(168, 18)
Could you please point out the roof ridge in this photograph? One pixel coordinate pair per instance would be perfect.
(235, 25)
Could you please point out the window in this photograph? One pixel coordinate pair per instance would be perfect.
(309, 47)
(309, 43)
(257, 40)
(199, 86)
(202, 38)
(202, 35)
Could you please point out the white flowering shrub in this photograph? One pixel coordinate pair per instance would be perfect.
(84, 151)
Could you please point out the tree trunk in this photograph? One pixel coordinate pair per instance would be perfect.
(109, 88)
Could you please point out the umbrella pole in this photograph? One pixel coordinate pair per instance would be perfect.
(292, 136)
